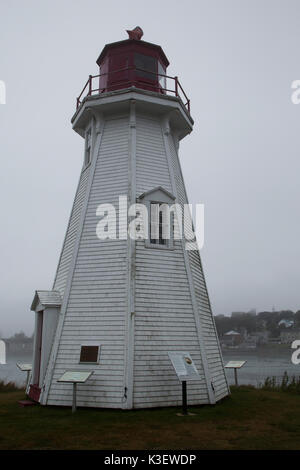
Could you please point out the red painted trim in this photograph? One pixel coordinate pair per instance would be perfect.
(131, 44)
(34, 393)
(127, 77)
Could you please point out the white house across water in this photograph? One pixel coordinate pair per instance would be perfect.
(118, 305)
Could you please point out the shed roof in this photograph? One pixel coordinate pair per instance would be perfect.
(232, 332)
(47, 298)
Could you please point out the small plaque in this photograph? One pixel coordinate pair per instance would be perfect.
(75, 376)
(235, 364)
(24, 367)
(184, 366)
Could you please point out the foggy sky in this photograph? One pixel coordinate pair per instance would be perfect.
(236, 61)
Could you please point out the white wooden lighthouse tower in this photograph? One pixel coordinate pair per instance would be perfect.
(118, 306)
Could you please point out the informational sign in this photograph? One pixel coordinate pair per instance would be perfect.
(184, 366)
(75, 376)
(235, 364)
(24, 367)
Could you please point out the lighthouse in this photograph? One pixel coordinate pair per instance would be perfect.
(129, 286)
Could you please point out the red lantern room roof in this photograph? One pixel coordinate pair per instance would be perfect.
(131, 45)
(134, 43)
(133, 63)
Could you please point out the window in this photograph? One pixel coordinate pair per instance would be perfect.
(161, 227)
(162, 79)
(89, 354)
(88, 146)
(146, 63)
(161, 207)
(159, 232)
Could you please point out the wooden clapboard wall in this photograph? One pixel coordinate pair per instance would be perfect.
(213, 352)
(95, 311)
(172, 312)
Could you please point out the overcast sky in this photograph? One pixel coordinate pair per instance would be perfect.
(236, 60)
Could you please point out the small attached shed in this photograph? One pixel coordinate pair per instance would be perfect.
(46, 305)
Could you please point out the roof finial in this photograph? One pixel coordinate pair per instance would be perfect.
(135, 33)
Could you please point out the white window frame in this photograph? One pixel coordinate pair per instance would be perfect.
(87, 344)
(169, 245)
(160, 196)
(88, 146)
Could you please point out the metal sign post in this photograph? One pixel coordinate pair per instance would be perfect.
(74, 397)
(235, 365)
(75, 377)
(184, 398)
(185, 370)
(25, 368)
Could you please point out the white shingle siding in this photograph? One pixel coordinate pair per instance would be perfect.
(213, 352)
(69, 241)
(164, 318)
(97, 301)
(96, 278)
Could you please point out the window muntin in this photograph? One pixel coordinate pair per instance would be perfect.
(161, 225)
(89, 354)
(146, 63)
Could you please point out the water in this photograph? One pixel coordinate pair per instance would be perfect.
(260, 364)
(10, 372)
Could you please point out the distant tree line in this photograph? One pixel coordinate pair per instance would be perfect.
(20, 337)
(262, 321)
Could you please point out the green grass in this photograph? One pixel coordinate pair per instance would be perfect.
(285, 384)
(249, 419)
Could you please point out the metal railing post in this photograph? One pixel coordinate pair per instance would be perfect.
(88, 88)
(176, 86)
(90, 84)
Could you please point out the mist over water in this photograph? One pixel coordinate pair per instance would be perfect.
(259, 366)
(10, 372)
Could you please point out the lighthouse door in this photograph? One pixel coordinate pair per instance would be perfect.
(34, 390)
(38, 348)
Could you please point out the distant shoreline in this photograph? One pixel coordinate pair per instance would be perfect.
(262, 350)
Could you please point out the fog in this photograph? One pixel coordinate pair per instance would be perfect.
(236, 61)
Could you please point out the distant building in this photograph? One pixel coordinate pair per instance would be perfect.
(286, 323)
(19, 345)
(252, 312)
(232, 338)
(237, 314)
(259, 337)
(287, 337)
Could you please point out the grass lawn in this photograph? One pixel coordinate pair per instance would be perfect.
(248, 419)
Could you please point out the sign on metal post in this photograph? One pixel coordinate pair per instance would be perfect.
(186, 371)
(25, 368)
(235, 365)
(184, 366)
(75, 377)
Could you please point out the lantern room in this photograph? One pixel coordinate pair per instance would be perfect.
(132, 63)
